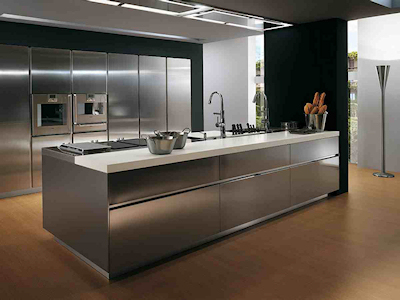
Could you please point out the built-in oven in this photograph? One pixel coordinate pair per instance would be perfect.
(51, 114)
(90, 109)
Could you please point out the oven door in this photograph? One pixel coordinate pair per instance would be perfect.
(90, 108)
(51, 114)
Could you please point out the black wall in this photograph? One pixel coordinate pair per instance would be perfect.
(51, 37)
(301, 60)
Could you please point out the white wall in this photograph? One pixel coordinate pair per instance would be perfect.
(226, 71)
(378, 44)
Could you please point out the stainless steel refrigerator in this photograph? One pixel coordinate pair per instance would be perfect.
(14, 119)
(152, 94)
(123, 96)
(51, 103)
(89, 88)
(179, 94)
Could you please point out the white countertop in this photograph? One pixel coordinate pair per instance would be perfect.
(112, 162)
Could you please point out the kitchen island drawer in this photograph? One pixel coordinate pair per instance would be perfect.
(314, 180)
(309, 151)
(155, 181)
(238, 164)
(252, 198)
(148, 231)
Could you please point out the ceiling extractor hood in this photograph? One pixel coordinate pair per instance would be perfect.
(198, 12)
(388, 3)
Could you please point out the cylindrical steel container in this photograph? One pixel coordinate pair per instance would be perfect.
(316, 122)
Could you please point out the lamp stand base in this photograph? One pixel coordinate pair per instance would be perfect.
(383, 175)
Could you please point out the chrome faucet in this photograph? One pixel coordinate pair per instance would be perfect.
(265, 121)
(220, 124)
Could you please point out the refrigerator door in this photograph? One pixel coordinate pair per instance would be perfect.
(153, 94)
(179, 91)
(51, 71)
(14, 119)
(43, 142)
(90, 136)
(123, 96)
(89, 72)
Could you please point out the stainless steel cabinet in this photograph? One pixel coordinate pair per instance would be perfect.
(238, 164)
(309, 151)
(252, 198)
(43, 142)
(153, 94)
(123, 96)
(155, 181)
(179, 93)
(51, 71)
(151, 230)
(314, 180)
(89, 72)
(14, 119)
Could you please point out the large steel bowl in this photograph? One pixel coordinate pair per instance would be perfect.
(160, 145)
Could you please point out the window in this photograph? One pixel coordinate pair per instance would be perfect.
(259, 79)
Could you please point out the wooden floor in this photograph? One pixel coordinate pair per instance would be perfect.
(347, 247)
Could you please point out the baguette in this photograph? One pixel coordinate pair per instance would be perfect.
(316, 99)
(308, 108)
(322, 100)
(315, 110)
(322, 109)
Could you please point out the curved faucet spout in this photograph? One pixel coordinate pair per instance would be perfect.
(220, 124)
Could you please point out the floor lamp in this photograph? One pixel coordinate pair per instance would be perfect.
(383, 74)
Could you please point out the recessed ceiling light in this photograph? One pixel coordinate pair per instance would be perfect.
(178, 3)
(149, 9)
(244, 26)
(206, 20)
(108, 2)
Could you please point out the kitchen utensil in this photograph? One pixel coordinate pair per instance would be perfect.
(285, 125)
(315, 121)
(160, 144)
(182, 137)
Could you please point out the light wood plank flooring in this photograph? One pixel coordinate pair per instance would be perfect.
(347, 247)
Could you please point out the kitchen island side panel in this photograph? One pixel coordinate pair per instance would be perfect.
(75, 208)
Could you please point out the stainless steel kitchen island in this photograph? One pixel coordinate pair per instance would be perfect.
(122, 210)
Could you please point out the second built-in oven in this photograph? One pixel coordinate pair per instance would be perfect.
(51, 114)
(90, 112)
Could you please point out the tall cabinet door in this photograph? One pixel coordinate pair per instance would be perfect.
(153, 94)
(89, 72)
(51, 71)
(179, 93)
(123, 96)
(14, 119)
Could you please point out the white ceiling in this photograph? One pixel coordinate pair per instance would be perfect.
(80, 14)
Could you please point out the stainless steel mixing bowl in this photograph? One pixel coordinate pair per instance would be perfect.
(160, 145)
